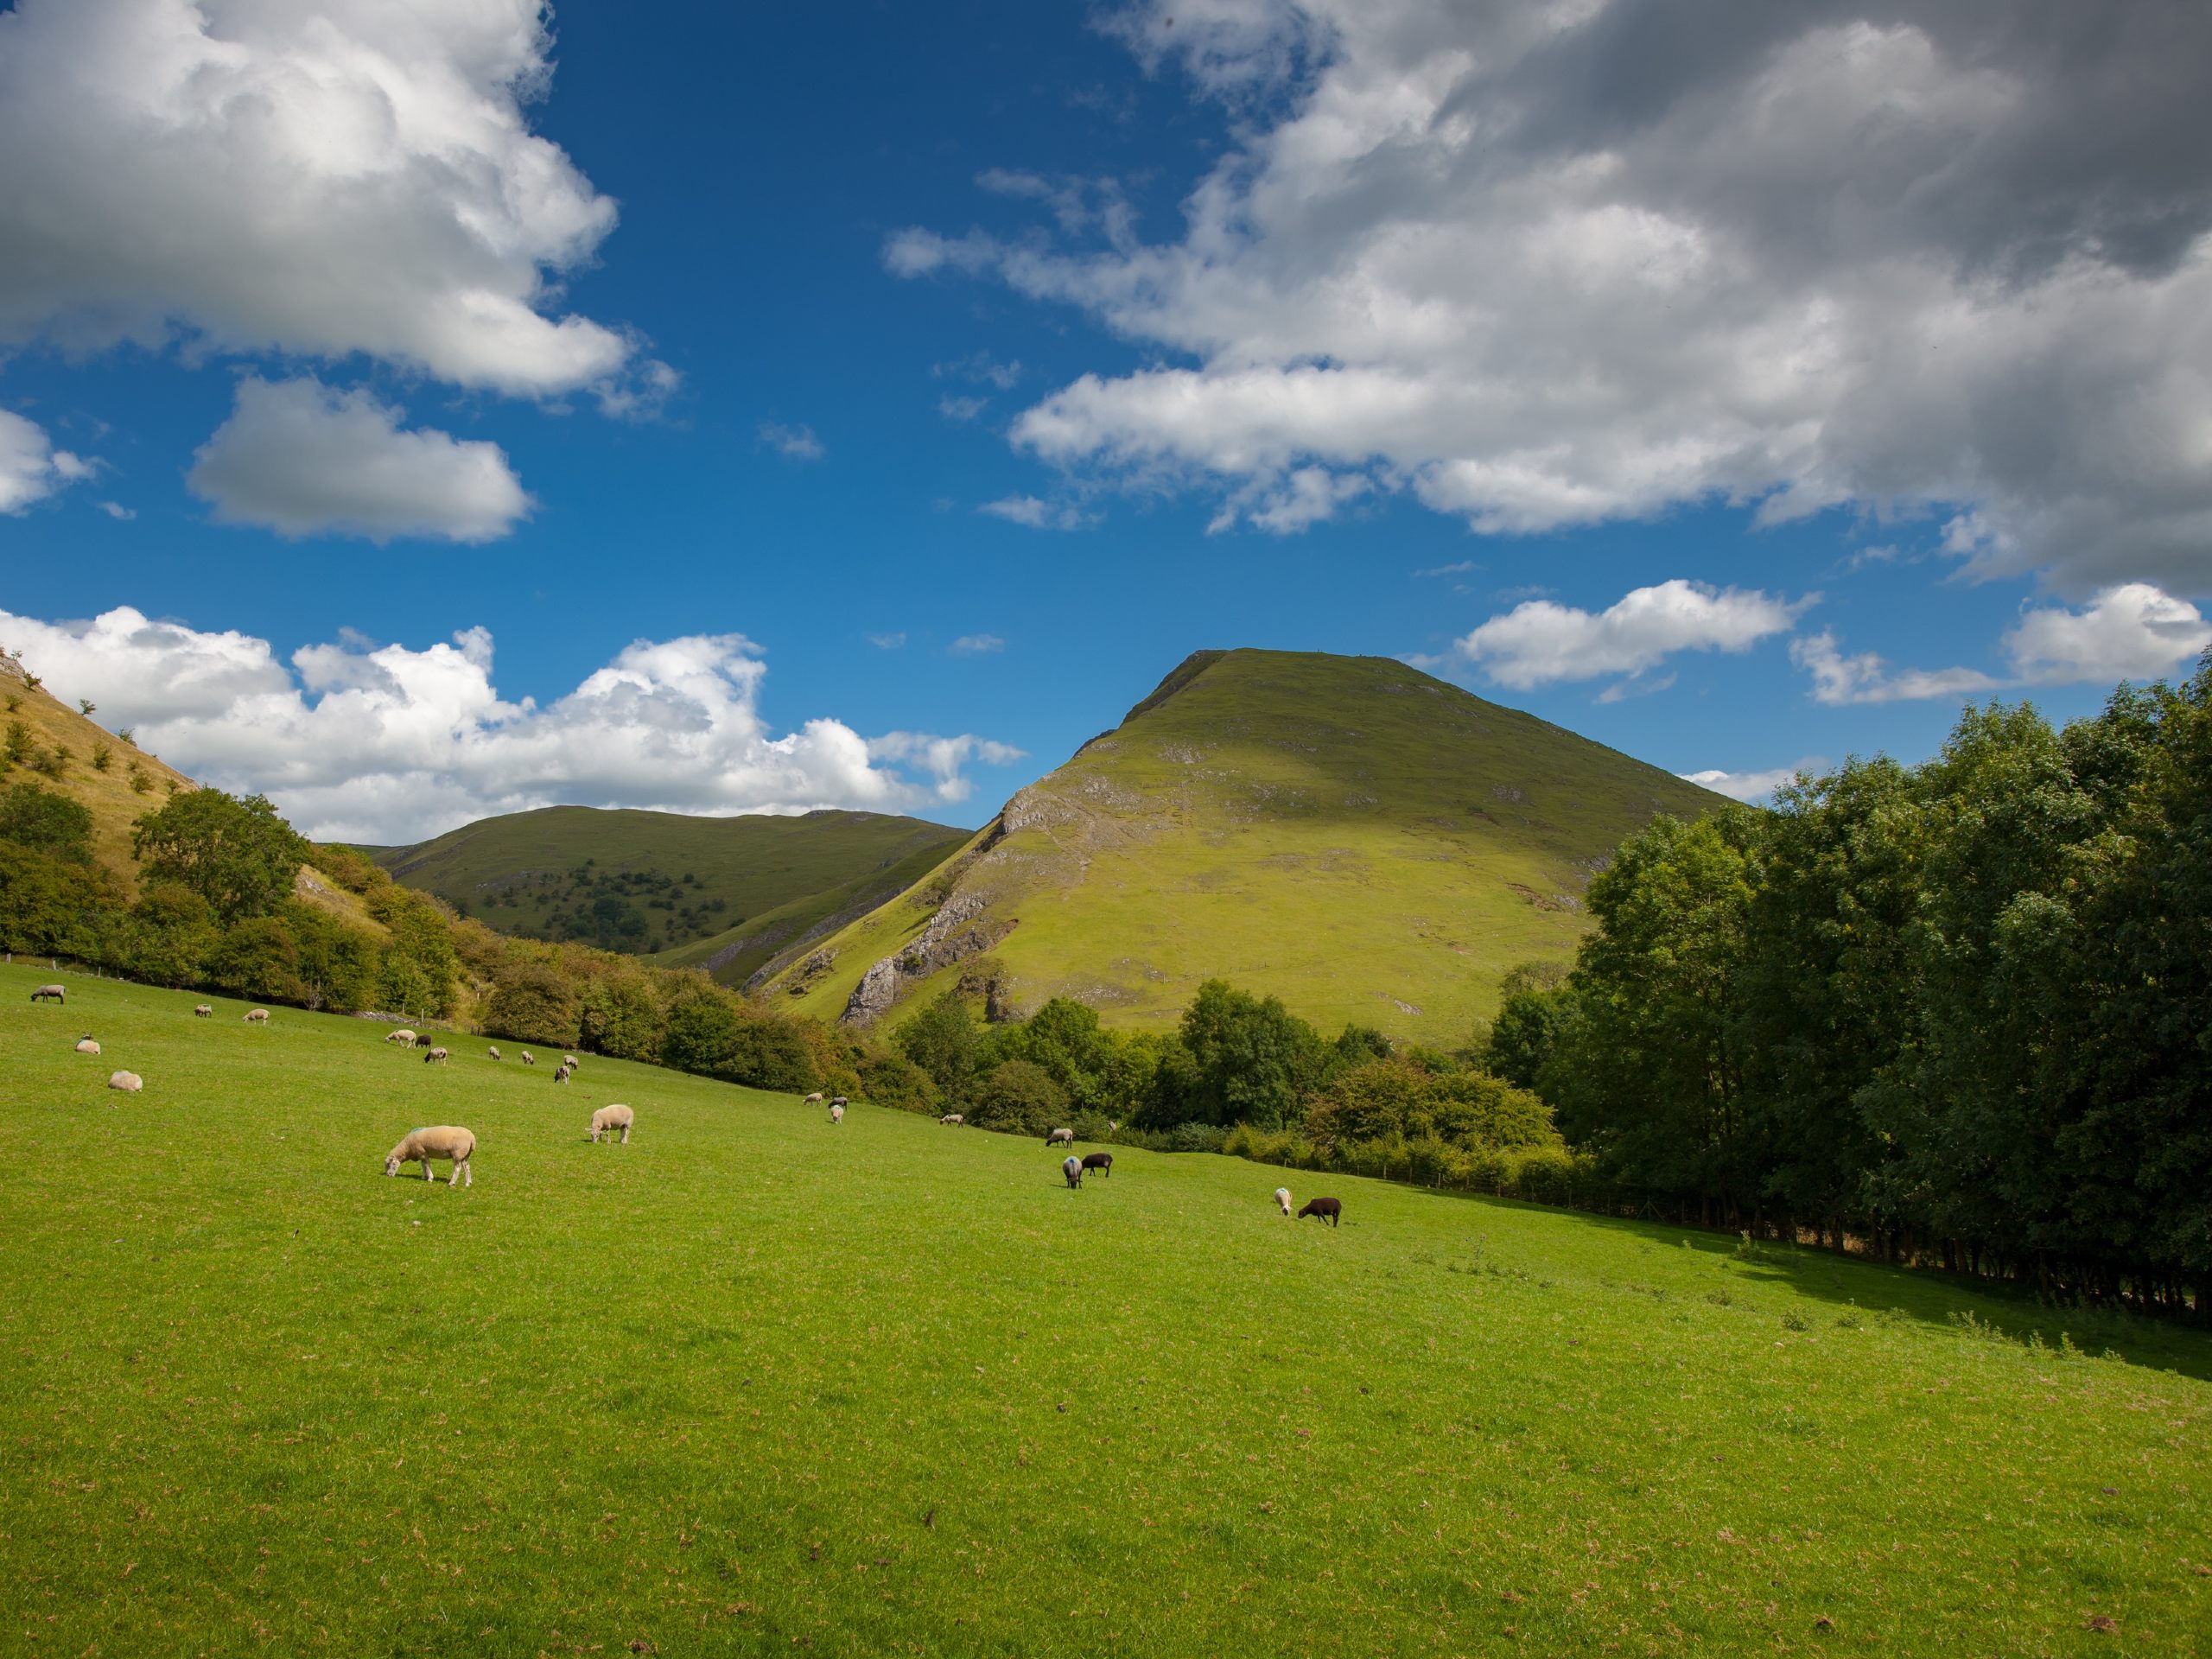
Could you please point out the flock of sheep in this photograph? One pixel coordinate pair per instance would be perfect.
(457, 1146)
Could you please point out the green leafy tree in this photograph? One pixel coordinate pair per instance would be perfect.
(237, 854)
(258, 957)
(340, 966)
(48, 905)
(533, 1004)
(420, 968)
(1019, 1097)
(941, 1038)
(1244, 1060)
(172, 933)
(51, 823)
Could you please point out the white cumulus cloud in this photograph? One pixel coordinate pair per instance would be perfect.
(1546, 263)
(300, 458)
(31, 468)
(1751, 785)
(318, 177)
(392, 744)
(1868, 677)
(1540, 641)
(2133, 632)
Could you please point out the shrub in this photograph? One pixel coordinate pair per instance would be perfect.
(1019, 1097)
(258, 957)
(31, 816)
(894, 1080)
(172, 933)
(533, 1005)
(18, 745)
(103, 757)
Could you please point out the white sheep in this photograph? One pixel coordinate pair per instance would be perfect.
(87, 1046)
(130, 1082)
(837, 1112)
(1060, 1138)
(435, 1056)
(528, 1058)
(569, 1060)
(444, 1141)
(201, 1011)
(258, 1017)
(953, 1118)
(561, 1074)
(1282, 1199)
(404, 1037)
(51, 994)
(814, 1099)
(493, 1052)
(607, 1119)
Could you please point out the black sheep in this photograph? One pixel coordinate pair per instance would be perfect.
(1101, 1162)
(1329, 1210)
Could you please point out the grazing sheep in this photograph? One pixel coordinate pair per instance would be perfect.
(435, 1056)
(423, 1039)
(493, 1052)
(421, 1146)
(561, 1074)
(1329, 1210)
(59, 992)
(814, 1099)
(403, 1037)
(1101, 1162)
(130, 1082)
(1282, 1199)
(953, 1118)
(569, 1060)
(1072, 1167)
(87, 1046)
(528, 1058)
(837, 1112)
(201, 1011)
(1060, 1138)
(258, 1017)
(607, 1119)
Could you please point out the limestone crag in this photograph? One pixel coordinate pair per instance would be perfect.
(957, 932)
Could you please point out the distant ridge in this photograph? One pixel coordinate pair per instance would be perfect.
(1369, 842)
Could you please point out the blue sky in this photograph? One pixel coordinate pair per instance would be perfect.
(1302, 327)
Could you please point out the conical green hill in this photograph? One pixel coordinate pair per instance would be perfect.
(1363, 839)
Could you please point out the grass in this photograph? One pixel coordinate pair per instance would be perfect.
(115, 806)
(1365, 842)
(777, 877)
(756, 1385)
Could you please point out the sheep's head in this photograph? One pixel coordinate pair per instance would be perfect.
(391, 1161)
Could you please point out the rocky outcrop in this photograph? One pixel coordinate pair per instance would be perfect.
(958, 931)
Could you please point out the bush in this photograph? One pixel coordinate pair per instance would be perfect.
(534, 1005)
(51, 823)
(48, 905)
(171, 933)
(1019, 1097)
(258, 958)
(894, 1080)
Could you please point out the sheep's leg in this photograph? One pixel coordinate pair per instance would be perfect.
(626, 1134)
(428, 1174)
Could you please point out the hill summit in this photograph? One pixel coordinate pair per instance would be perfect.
(1365, 841)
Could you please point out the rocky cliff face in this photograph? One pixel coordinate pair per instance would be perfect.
(958, 931)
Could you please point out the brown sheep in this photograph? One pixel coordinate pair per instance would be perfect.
(607, 1119)
(421, 1146)
(1329, 1210)
(130, 1082)
(1101, 1162)
(258, 1017)
(54, 993)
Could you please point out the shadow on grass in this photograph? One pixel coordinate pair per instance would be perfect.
(1996, 1312)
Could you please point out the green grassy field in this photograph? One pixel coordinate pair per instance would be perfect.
(776, 877)
(1365, 840)
(753, 1384)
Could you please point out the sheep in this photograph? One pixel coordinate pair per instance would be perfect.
(569, 1060)
(607, 1119)
(1329, 1210)
(1282, 1199)
(1060, 1138)
(561, 1074)
(258, 1017)
(420, 1146)
(528, 1058)
(436, 1056)
(814, 1099)
(493, 1052)
(951, 1118)
(58, 992)
(1101, 1162)
(1072, 1167)
(87, 1046)
(201, 1011)
(130, 1082)
(837, 1112)
(403, 1037)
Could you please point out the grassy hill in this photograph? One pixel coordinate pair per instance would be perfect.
(722, 893)
(756, 1385)
(1366, 842)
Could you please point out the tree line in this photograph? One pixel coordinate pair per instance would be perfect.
(1958, 1013)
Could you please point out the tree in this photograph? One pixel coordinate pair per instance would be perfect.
(47, 906)
(1019, 1097)
(258, 957)
(236, 855)
(1524, 1034)
(533, 1004)
(172, 933)
(420, 965)
(1244, 1060)
(941, 1039)
(52, 822)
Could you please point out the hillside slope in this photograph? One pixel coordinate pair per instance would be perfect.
(722, 893)
(1366, 842)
